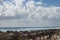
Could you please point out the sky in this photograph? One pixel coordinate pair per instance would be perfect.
(29, 13)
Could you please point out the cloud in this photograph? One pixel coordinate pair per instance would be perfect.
(39, 3)
(28, 14)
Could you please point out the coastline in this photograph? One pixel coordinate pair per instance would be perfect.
(26, 28)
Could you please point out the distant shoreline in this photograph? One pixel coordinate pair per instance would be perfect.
(31, 27)
(26, 28)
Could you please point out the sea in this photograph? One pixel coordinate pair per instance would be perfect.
(26, 28)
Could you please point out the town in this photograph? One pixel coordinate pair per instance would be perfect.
(50, 34)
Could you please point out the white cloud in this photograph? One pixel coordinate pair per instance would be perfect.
(30, 14)
(39, 3)
(30, 4)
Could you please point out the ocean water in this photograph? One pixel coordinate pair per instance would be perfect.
(26, 28)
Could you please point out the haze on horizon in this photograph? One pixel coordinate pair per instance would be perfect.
(29, 13)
